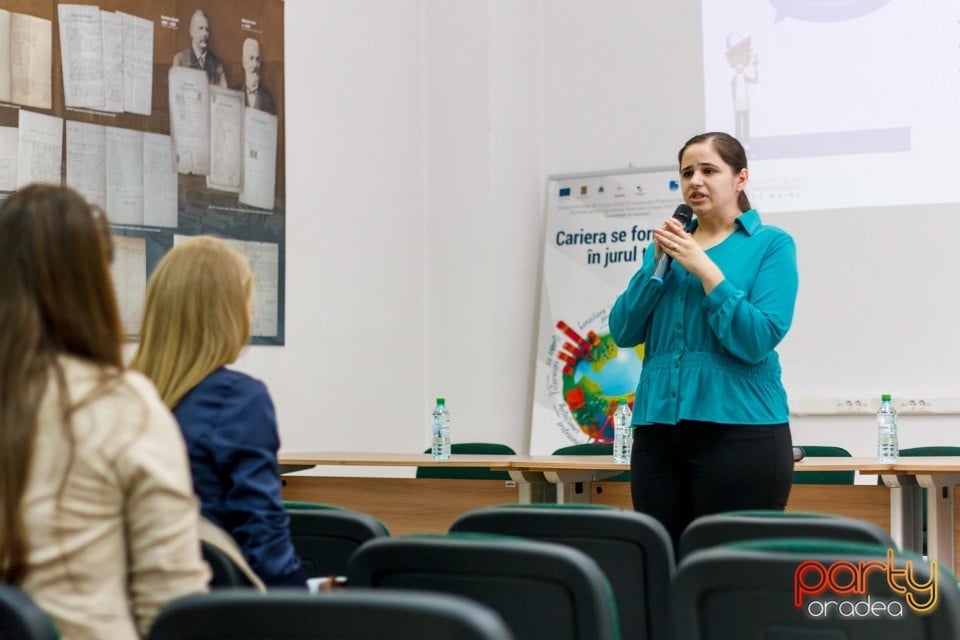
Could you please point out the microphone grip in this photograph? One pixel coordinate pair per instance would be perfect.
(663, 265)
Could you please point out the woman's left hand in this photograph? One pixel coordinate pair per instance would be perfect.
(680, 245)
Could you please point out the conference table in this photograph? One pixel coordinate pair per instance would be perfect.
(907, 479)
(565, 479)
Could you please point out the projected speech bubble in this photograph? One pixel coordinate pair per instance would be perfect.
(824, 10)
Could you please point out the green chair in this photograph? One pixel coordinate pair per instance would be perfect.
(22, 618)
(224, 572)
(735, 526)
(470, 473)
(324, 536)
(542, 590)
(824, 477)
(346, 614)
(767, 589)
(593, 449)
(633, 550)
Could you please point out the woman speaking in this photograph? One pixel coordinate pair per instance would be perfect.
(710, 411)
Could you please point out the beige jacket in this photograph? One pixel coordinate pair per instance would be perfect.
(122, 539)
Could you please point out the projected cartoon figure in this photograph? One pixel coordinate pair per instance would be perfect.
(741, 57)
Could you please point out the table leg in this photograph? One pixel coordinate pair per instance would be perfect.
(941, 528)
(532, 487)
(906, 519)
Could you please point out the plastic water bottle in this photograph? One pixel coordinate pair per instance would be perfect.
(622, 433)
(441, 431)
(888, 446)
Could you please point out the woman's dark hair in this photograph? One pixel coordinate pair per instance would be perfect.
(731, 152)
(56, 298)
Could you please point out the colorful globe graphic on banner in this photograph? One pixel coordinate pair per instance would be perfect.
(595, 383)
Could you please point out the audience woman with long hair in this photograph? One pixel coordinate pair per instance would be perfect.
(98, 523)
(196, 320)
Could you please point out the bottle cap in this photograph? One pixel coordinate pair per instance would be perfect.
(885, 397)
(623, 401)
(441, 401)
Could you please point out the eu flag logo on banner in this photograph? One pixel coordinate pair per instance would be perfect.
(565, 192)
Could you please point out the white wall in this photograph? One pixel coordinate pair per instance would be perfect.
(419, 137)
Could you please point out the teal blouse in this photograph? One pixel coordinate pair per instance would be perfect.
(712, 357)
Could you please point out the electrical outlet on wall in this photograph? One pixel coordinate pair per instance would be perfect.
(854, 405)
(915, 404)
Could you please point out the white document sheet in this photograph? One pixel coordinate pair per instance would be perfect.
(8, 158)
(137, 64)
(226, 140)
(39, 148)
(159, 182)
(31, 53)
(129, 271)
(190, 120)
(111, 35)
(81, 55)
(86, 161)
(124, 176)
(259, 159)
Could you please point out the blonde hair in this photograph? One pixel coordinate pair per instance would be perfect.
(196, 317)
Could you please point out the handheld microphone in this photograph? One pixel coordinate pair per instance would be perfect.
(684, 214)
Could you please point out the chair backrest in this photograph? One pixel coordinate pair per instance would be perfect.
(824, 477)
(751, 590)
(21, 618)
(470, 473)
(225, 573)
(593, 449)
(722, 528)
(348, 614)
(936, 450)
(633, 550)
(543, 591)
(324, 536)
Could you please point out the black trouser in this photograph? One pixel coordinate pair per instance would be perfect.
(683, 471)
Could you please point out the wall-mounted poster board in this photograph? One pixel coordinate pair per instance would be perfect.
(597, 227)
(166, 114)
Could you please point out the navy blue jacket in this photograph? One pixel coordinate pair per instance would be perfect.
(230, 427)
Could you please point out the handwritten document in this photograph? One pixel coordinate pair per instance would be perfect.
(5, 70)
(39, 148)
(124, 176)
(264, 261)
(81, 55)
(190, 120)
(226, 140)
(259, 159)
(86, 161)
(8, 158)
(128, 173)
(159, 182)
(107, 59)
(31, 50)
(129, 271)
(111, 36)
(137, 64)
